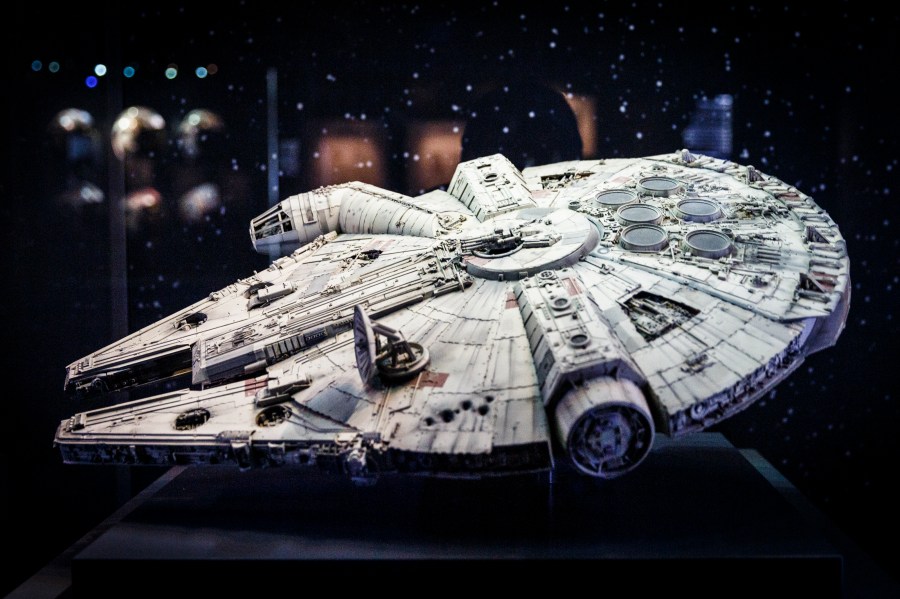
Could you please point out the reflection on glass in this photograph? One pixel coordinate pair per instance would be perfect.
(528, 122)
(710, 131)
(76, 141)
(585, 109)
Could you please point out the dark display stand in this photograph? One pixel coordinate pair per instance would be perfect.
(697, 512)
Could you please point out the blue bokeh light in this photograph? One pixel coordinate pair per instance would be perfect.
(100, 70)
(36, 66)
(53, 67)
(91, 81)
(171, 73)
(201, 72)
(128, 72)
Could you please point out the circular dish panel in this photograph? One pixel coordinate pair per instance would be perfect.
(579, 340)
(644, 238)
(639, 214)
(659, 186)
(698, 210)
(707, 243)
(613, 198)
(551, 239)
(560, 303)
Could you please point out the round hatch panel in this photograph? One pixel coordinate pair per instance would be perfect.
(639, 214)
(698, 210)
(659, 186)
(644, 238)
(613, 198)
(708, 243)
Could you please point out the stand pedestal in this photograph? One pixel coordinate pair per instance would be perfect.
(696, 513)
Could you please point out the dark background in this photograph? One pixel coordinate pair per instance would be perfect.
(813, 105)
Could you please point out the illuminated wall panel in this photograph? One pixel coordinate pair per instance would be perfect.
(344, 152)
(433, 149)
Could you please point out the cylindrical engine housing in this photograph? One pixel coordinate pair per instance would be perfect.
(605, 426)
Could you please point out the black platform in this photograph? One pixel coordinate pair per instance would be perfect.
(697, 512)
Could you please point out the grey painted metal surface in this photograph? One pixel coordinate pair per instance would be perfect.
(569, 311)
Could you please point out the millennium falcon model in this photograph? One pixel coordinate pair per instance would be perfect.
(568, 311)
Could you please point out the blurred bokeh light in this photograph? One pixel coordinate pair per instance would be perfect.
(83, 194)
(72, 130)
(199, 202)
(138, 130)
(199, 132)
(141, 205)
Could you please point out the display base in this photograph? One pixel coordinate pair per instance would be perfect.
(697, 512)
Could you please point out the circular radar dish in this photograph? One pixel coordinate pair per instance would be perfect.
(364, 344)
(644, 238)
(614, 198)
(707, 243)
(659, 186)
(698, 210)
(525, 242)
(639, 214)
(392, 369)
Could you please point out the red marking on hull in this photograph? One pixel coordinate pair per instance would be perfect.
(433, 379)
(253, 385)
(571, 286)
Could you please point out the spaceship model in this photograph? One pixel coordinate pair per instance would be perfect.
(572, 309)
